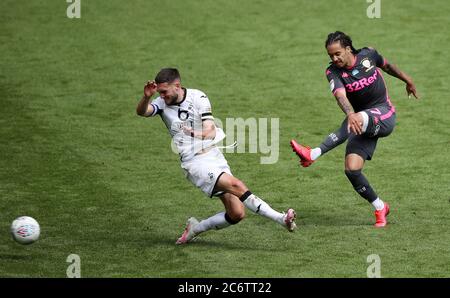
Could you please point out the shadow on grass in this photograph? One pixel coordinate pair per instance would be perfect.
(337, 220)
(232, 245)
(12, 257)
(204, 242)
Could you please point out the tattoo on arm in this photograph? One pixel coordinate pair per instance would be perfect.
(344, 104)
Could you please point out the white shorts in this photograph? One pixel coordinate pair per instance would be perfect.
(205, 169)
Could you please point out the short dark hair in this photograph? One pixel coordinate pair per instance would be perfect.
(342, 38)
(167, 75)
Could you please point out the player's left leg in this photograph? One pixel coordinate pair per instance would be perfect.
(376, 123)
(236, 187)
(359, 149)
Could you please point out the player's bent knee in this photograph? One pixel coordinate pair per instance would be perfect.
(354, 162)
(235, 216)
(238, 185)
(352, 168)
(352, 173)
(238, 216)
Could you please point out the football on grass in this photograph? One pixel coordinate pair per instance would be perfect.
(25, 230)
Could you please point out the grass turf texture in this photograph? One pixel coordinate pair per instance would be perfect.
(103, 183)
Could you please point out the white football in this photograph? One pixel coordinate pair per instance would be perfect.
(25, 230)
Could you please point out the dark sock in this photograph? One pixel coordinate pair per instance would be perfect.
(361, 185)
(229, 220)
(334, 139)
(245, 196)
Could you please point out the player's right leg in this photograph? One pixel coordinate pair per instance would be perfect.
(238, 189)
(234, 208)
(308, 156)
(234, 213)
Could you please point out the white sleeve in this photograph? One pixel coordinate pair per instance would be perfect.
(158, 106)
(204, 107)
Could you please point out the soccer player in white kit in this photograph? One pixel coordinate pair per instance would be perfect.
(188, 117)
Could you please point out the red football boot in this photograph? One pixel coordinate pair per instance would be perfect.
(304, 152)
(380, 215)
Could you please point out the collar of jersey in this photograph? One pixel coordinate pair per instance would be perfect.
(184, 97)
(354, 64)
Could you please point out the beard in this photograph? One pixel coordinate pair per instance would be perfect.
(173, 100)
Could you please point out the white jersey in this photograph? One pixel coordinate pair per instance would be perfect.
(191, 112)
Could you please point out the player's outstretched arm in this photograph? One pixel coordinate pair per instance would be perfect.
(394, 71)
(143, 108)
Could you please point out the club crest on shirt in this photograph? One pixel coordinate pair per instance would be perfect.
(367, 64)
(183, 115)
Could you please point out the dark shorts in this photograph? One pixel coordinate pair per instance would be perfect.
(381, 124)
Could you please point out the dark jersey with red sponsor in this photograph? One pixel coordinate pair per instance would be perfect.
(363, 81)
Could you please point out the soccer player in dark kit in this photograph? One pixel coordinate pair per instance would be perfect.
(360, 90)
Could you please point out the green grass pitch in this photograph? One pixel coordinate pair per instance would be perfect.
(103, 183)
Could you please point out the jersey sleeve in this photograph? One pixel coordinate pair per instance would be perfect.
(204, 107)
(158, 106)
(334, 80)
(380, 61)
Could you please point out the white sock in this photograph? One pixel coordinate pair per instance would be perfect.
(378, 204)
(315, 153)
(217, 222)
(260, 207)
